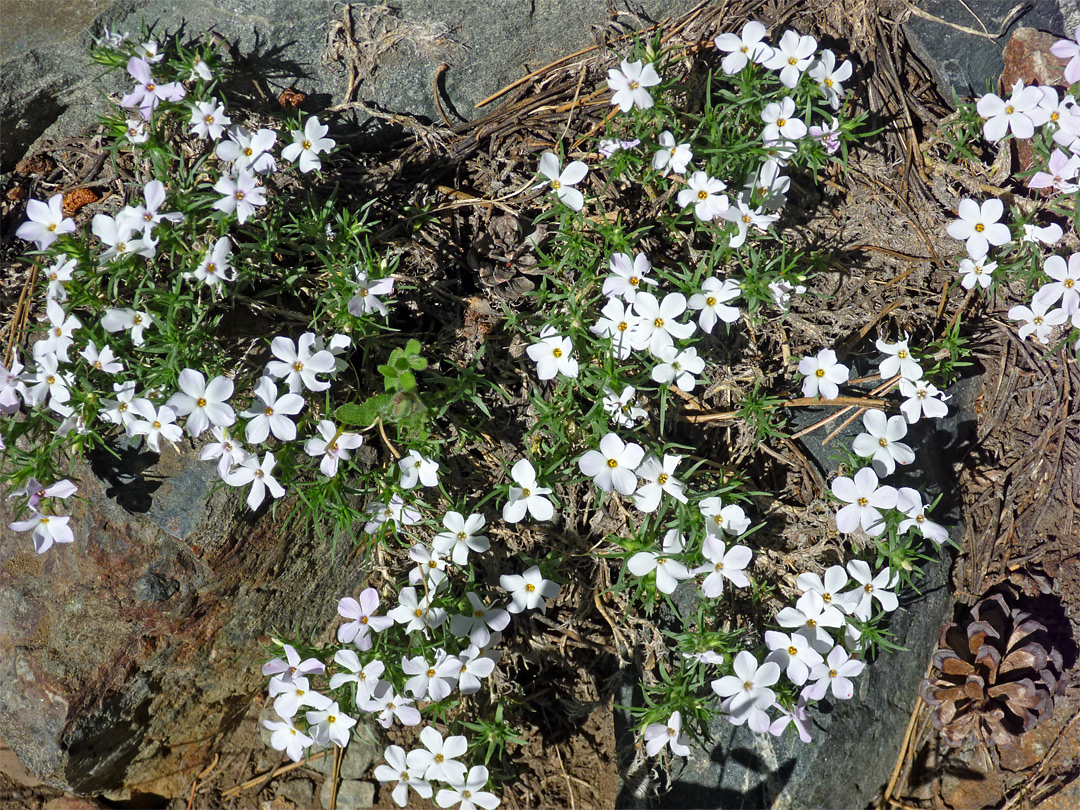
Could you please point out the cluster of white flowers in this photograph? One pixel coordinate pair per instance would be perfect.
(131, 233)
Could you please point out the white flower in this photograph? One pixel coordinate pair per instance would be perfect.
(58, 275)
(48, 381)
(156, 423)
(527, 495)
(658, 327)
(1060, 173)
(298, 364)
(977, 271)
(1065, 285)
(226, 450)
(258, 474)
(249, 152)
(612, 466)
(136, 131)
(629, 275)
(479, 623)
(146, 215)
(671, 156)
(829, 77)
(308, 144)
(415, 613)
(208, 119)
(1037, 320)
(811, 616)
(417, 469)
(823, 375)
(620, 324)
(624, 412)
(46, 530)
(430, 567)
(389, 705)
(658, 735)
(333, 447)
(200, 70)
(406, 771)
(704, 193)
(744, 216)
(923, 399)
(780, 121)
(726, 520)
(1069, 49)
(669, 572)
(461, 536)
(658, 477)
(609, 147)
(724, 563)
(1021, 113)
(744, 49)
(864, 499)
(678, 367)
(364, 621)
(528, 590)
(628, 84)
(834, 673)
(835, 580)
(749, 686)
(793, 652)
(204, 404)
(873, 587)
(792, 57)
(769, 186)
(118, 234)
(899, 360)
(11, 386)
(242, 195)
(881, 442)
(978, 226)
(1048, 235)
(796, 716)
(553, 354)
(119, 411)
(909, 501)
(367, 291)
(286, 737)
(330, 725)
(61, 328)
(215, 267)
(712, 301)
(827, 136)
(562, 181)
(148, 93)
(430, 680)
(273, 415)
(149, 52)
(781, 291)
(468, 791)
(293, 692)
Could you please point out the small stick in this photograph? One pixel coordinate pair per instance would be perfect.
(801, 402)
(435, 92)
(292, 766)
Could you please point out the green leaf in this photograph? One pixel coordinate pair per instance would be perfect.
(351, 414)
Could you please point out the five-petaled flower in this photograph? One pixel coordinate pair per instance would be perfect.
(864, 499)
(881, 442)
(748, 688)
(563, 180)
(45, 222)
(629, 83)
(703, 192)
(824, 375)
(203, 403)
(978, 226)
(308, 144)
(658, 735)
(527, 496)
(528, 590)
(553, 354)
(612, 466)
(242, 195)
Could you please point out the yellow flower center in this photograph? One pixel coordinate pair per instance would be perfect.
(209, 119)
(868, 588)
(703, 195)
(431, 673)
(820, 372)
(832, 673)
(462, 536)
(634, 281)
(1010, 110)
(792, 61)
(883, 442)
(555, 184)
(748, 685)
(634, 85)
(530, 587)
(268, 411)
(612, 463)
(306, 144)
(781, 122)
(418, 613)
(157, 425)
(525, 492)
(1037, 320)
(828, 82)
(557, 352)
(662, 479)
(863, 502)
(1068, 283)
(719, 566)
(201, 402)
(792, 651)
(710, 301)
(248, 151)
(979, 227)
(211, 269)
(811, 622)
(239, 194)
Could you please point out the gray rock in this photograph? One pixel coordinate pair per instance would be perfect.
(967, 63)
(352, 794)
(300, 792)
(47, 90)
(856, 742)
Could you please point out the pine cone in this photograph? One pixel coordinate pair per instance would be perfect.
(999, 675)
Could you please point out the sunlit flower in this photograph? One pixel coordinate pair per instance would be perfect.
(703, 192)
(563, 180)
(669, 571)
(824, 375)
(527, 495)
(628, 84)
(978, 226)
(242, 195)
(308, 144)
(792, 57)
(658, 735)
(829, 77)
(612, 466)
(553, 354)
(745, 48)
(671, 156)
(864, 499)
